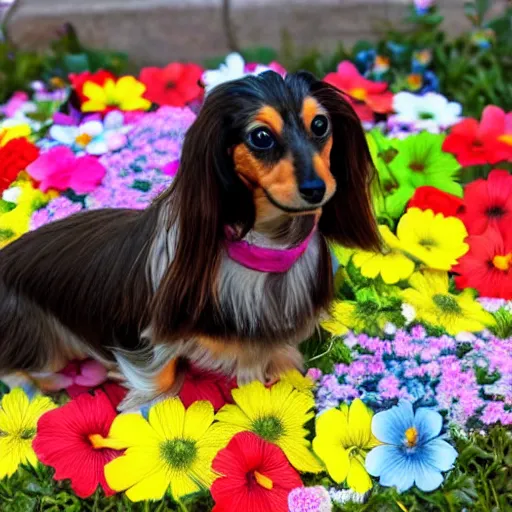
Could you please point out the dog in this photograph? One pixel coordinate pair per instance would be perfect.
(229, 268)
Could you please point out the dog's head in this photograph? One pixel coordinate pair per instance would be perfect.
(263, 148)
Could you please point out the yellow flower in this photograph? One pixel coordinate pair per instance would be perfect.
(276, 414)
(175, 448)
(125, 94)
(392, 265)
(300, 382)
(343, 437)
(435, 240)
(18, 424)
(434, 304)
(17, 131)
(16, 222)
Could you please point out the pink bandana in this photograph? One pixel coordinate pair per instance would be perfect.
(264, 259)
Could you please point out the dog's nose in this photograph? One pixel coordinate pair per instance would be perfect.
(312, 191)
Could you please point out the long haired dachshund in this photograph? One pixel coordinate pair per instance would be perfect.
(229, 268)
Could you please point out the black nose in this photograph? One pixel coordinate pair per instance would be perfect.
(312, 191)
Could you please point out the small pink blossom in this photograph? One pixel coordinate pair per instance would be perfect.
(60, 169)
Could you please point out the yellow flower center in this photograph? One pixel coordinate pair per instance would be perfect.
(503, 262)
(411, 437)
(263, 480)
(57, 82)
(358, 93)
(99, 442)
(414, 81)
(447, 304)
(83, 139)
(507, 138)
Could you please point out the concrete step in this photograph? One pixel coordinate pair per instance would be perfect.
(154, 32)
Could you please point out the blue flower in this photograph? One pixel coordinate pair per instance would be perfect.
(430, 82)
(413, 452)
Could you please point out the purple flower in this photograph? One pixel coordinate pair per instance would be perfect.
(309, 499)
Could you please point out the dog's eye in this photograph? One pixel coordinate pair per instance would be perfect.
(320, 126)
(261, 138)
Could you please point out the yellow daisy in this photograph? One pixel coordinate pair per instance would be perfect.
(173, 448)
(276, 414)
(434, 240)
(343, 438)
(429, 295)
(391, 264)
(16, 131)
(125, 94)
(16, 222)
(18, 424)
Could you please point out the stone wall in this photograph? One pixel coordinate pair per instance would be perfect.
(157, 31)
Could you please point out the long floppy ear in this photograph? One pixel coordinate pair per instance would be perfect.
(201, 201)
(348, 218)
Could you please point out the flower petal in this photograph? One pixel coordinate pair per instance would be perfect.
(198, 418)
(358, 478)
(390, 426)
(427, 477)
(64, 134)
(334, 456)
(440, 454)
(428, 423)
(168, 418)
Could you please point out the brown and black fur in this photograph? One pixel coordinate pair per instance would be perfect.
(138, 289)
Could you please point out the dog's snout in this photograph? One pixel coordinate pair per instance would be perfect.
(312, 191)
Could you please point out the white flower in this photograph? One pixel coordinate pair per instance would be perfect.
(344, 496)
(431, 112)
(463, 337)
(233, 69)
(94, 137)
(408, 312)
(389, 329)
(12, 194)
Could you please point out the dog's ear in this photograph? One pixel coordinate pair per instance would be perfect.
(202, 200)
(348, 218)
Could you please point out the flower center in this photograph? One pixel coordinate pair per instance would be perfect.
(263, 481)
(358, 93)
(503, 262)
(425, 115)
(178, 453)
(428, 243)
(495, 212)
(417, 166)
(170, 85)
(83, 139)
(99, 442)
(388, 155)
(414, 81)
(269, 428)
(27, 433)
(507, 139)
(446, 303)
(411, 437)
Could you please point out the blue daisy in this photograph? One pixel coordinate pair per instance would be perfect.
(413, 452)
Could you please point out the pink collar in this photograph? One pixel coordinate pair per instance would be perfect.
(264, 259)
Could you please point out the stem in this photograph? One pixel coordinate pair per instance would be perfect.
(229, 27)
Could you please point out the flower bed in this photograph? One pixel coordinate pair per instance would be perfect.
(407, 402)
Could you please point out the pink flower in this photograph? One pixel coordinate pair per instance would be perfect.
(171, 168)
(83, 376)
(18, 99)
(60, 169)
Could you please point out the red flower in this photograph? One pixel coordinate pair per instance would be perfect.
(78, 80)
(476, 143)
(70, 439)
(431, 198)
(488, 203)
(177, 84)
(256, 476)
(366, 96)
(487, 266)
(14, 158)
(203, 385)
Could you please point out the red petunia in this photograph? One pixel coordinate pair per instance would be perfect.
(203, 385)
(488, 203)
(487, 266)
(78, 80)
(475, 143)
(14, 158)
(70, 439)
(366, 96)
(431, 198)
(177, 84)
(257, 477)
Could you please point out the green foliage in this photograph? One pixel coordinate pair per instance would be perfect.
(503, 327)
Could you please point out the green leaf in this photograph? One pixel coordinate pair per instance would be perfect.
(76, 63)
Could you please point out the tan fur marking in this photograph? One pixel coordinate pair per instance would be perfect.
(167, 377)
(271, 117)
(310, 108)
